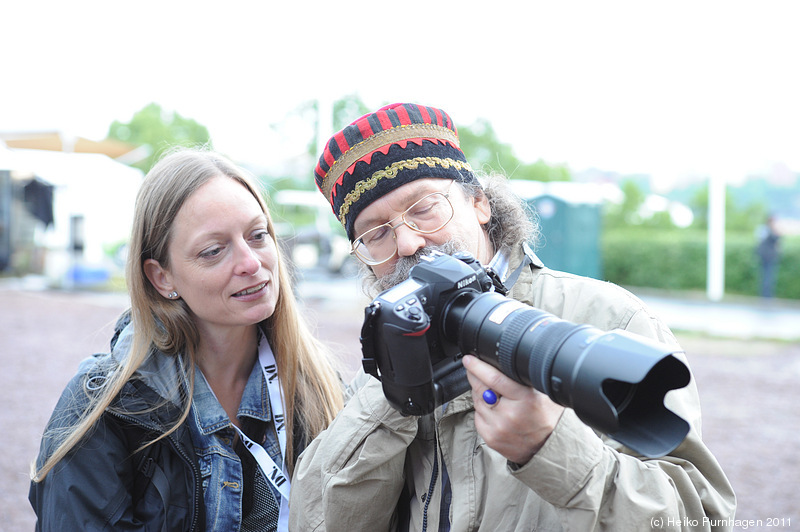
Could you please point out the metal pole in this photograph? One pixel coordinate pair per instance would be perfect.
(324, 122)
(715, 280)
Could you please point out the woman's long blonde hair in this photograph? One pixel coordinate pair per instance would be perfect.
(311, 387)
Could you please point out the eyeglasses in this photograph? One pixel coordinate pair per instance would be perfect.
(427, 215)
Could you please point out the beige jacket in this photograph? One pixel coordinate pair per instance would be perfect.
(351, 477)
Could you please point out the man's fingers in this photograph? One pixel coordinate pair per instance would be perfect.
(487, 376)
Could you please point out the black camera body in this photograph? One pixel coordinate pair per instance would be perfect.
(419, 366)
(415, 334)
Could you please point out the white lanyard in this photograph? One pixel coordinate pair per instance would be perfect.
(277, 476)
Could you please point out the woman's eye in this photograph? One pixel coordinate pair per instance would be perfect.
(260, 236)
(211, 253)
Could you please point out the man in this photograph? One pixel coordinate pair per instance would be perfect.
(510, 459)
(769, 254)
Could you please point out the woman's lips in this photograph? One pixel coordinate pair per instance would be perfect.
(252, 290)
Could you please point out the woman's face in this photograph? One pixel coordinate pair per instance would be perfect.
(222, 261)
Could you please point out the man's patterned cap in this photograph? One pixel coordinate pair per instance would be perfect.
(383, 150)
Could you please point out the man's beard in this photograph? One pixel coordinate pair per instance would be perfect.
(374, 285)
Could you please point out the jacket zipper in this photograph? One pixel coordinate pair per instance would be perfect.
(184, 456)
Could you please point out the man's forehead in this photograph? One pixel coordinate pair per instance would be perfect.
(395, 202)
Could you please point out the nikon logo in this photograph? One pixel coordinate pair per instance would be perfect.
(464, 282)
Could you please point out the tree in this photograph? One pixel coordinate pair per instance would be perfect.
(737, 218)
(346, 110)
(157, 130)
(627, 212)
(486, 152)
(541, 171)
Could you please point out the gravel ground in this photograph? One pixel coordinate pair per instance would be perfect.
(748, 390)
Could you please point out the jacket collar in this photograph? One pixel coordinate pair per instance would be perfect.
(208, 412)
(159, 371)
(536, 261)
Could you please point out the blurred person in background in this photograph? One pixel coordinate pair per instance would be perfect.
(769, 255)
(502, 456)
(214, 384)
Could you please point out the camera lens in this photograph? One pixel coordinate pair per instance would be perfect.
(519, 340)
(614, 381)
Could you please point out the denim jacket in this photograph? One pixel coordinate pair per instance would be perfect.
(212, 437)
(213, 434)
(191, 480)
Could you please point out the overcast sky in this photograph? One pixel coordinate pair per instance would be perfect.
(668, 88)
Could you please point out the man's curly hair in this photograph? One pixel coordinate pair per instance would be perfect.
(512, 222)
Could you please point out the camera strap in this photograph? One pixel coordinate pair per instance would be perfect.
(497, 270)
(512, 279)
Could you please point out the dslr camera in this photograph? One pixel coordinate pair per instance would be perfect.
(415, 333)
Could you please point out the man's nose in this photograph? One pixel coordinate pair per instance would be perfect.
(408, 241)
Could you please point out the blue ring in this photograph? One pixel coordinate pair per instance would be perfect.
(489, 397)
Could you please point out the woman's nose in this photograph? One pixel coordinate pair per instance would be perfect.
(247, 262)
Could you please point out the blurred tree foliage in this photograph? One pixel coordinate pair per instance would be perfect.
(677, 260)
(625, 213)
(631, 213)
(737, 217)
(346, 110)
(155, 130)
(486, 152)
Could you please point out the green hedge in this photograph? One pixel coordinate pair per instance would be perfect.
(677, 259)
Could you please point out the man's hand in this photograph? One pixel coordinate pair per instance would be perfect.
(521, 419)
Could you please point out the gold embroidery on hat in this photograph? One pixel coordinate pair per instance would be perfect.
(379, 140)
(390, 172)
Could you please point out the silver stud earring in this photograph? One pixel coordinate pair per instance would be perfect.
(172, 295)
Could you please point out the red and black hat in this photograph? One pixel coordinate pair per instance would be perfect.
(384, 150)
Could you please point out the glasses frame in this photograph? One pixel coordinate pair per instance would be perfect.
(391, 225)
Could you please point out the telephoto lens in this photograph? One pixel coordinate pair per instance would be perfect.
(615, 381)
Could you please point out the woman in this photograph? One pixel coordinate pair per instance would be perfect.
(214, 384)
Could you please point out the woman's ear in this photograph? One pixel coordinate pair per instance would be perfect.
(159, 277)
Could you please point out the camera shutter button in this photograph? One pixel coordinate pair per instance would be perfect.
(414, 313)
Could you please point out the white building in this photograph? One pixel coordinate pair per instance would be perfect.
(93, 201)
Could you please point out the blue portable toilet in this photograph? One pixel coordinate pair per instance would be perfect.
(569, 217)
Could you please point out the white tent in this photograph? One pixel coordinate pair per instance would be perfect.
(88, 186)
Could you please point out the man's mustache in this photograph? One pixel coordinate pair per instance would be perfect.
(403, 266)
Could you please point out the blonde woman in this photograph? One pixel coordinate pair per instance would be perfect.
(214, 383)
